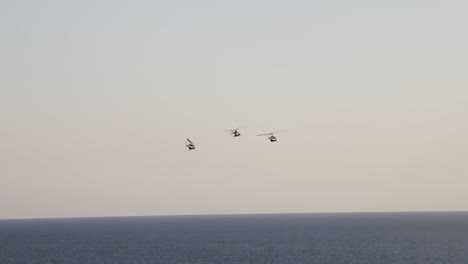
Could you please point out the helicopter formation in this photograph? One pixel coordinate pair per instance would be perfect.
(235, 133)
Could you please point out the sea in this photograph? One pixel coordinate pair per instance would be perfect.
(329, 238)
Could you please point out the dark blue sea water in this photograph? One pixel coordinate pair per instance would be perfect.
(373, 238)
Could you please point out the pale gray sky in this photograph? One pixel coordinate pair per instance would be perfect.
(97, 98)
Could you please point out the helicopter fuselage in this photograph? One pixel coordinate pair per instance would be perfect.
(190, 146)
(272, 138)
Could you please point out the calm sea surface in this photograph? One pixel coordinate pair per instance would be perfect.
(372, 238)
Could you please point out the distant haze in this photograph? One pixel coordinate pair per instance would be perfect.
(98, 97)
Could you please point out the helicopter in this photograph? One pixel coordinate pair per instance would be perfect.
(235, 132)
(271, 137)
(190, 145)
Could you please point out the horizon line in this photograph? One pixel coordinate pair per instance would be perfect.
(236, 214)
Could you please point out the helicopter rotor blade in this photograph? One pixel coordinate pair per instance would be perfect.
(269, 134)
(283, 131)
(235, 129)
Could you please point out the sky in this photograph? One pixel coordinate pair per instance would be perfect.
(98, 97)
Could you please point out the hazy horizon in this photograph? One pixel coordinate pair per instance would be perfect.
(97, 99)
(244, 214)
